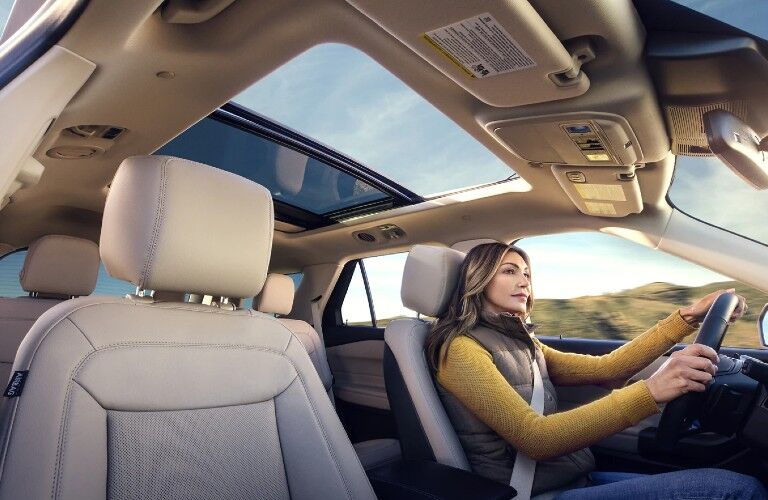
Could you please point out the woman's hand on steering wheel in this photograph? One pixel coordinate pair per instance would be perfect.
(687, 370)
(694, 314)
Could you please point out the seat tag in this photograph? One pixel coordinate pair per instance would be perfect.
(16, 385)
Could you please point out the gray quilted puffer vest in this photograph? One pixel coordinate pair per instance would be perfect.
(508, 340)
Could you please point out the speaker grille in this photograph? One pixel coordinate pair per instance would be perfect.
(687, 126)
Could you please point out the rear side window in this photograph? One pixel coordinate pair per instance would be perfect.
(107, 285)
(10, 267)
(381, 303)
(12, 263)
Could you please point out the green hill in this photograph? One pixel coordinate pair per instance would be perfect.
(628, 313)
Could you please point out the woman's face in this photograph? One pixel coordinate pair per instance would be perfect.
(510, 287)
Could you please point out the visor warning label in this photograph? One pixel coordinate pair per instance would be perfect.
(480, 46)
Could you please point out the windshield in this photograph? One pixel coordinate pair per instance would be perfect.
(341, 97)
(748, 15)
(705, 188)
(5, 12)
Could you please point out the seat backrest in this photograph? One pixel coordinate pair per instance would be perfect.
(56, 268)
(276, 297)
(134, 398)
(426, 433)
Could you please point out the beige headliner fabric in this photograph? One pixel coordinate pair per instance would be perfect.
(61, 265)
(176, 225)
(429, 278)
(276, 296)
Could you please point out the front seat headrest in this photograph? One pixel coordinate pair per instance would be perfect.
(429, 278)
(276, 296)
(60, 265)
(177, 225)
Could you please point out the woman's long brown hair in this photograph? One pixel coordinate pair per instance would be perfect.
(466, 304)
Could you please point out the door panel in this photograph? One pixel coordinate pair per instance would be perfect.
(355, 352)
(358, 371)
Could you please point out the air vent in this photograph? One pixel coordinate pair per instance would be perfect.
(366, 237)
(687, 125)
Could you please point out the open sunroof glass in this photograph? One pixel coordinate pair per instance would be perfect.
(292, 177)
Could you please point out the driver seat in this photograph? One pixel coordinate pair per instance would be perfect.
(430, 277)
(132, 397)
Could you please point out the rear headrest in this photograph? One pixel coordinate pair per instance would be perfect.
(60, 265)
(277, 295)
(177, 225)
(429, 278)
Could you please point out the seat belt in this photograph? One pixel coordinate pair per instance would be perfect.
(317, 317)
(525, 466)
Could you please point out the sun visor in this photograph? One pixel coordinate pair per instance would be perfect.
(503, 53)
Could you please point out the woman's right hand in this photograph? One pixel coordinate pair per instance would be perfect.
(687, 370)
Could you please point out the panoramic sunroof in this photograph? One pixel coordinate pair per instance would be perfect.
(293, 177)
(748, 15)
(341, 97)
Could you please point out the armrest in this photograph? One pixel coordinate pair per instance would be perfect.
(421, 480)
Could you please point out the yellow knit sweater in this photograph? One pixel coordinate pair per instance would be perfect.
(469, 374)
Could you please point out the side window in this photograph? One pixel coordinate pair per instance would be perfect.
(355, 310)
(10, 267)
(107, 285)
(594, 285)
(11, 264)
(384, 275)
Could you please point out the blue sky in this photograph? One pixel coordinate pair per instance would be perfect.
(339, 96)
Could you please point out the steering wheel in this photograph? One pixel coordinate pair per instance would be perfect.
(679, 413)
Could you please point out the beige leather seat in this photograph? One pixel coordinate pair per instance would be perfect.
(430, 277)
(132, 398)
(56, 268)
(276, 297)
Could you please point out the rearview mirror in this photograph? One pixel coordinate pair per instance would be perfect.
(762, 326)
(737, 145)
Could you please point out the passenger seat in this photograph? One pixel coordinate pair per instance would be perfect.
(277, 298)
(56, 268)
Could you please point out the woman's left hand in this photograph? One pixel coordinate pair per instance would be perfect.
(695, 313)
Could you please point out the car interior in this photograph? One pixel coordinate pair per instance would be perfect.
(227, 226)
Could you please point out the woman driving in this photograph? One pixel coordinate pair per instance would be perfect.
(482, 350)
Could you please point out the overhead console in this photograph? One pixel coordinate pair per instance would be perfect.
(503, 53)
(593, 156)
(574, 138)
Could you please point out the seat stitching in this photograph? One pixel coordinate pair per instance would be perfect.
(81, 331)
(325, 438)
(159, 214)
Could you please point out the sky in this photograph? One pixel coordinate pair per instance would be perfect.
(339, 96)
